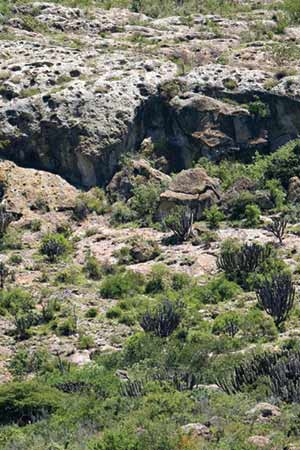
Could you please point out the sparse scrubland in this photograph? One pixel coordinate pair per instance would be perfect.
(149, 225)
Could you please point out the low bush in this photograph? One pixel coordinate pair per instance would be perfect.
(122, 284)
(54, 245)
(217, 290)
(121, 214)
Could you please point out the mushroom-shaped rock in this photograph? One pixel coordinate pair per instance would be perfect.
(191, 188)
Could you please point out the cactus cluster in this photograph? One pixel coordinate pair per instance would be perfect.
(280, 370)
(239, 264)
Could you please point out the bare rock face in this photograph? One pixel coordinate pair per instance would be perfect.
(29, 189)
(192, 188)
(75, 100)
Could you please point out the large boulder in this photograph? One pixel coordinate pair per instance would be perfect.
(22, 190)
(193, 189)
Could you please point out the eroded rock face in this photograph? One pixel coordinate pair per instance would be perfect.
(23, 190)
(193, 189)
(74, 101)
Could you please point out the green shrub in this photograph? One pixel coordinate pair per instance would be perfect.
(67, 327)
(25, 362)
(217, 290)
(91, 313)
(214, 216)
(259, 109)
(145, 202)
(163, 320)
(180, 222)
(121, 213)
(227, 323)
(293, 9)
(258, 326)
(25, 403)
(85, 342)
(92, 267)
(252, 216)
(122, 284)
(15, 301)
(35, 225)
(15, 259)
(159, 279)
(54, 245)
(69, 275)
(114, 313)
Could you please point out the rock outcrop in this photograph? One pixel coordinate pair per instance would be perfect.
(78, 91)
(193, 189)
(23, 190)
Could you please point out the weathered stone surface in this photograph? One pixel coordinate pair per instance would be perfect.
(264, 412)
(191, 188)
(259, 441)
(197, 430)
(75, 100)
(29, 189)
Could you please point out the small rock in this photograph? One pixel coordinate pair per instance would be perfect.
(197, 430)
(265, 412)
(259, 441)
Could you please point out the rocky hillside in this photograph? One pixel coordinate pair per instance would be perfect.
(149, 225)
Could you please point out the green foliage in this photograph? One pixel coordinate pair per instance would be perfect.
(15, 300)
(24, 362)
(92, 267)
(122, 284)
(252, 215)
(293, 9)
(85, 342)
(214, 216)
(217, 290)
(91, 313)
(67, 327)
(54, 245)
(24, 403)
(121, 214)
(257, 326)
(239, 262)
(227, 323)
(259, 109)
(145, 202)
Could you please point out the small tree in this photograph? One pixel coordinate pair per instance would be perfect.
(278, 227)
(180, 221)
(162, 321)
(276, 296)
